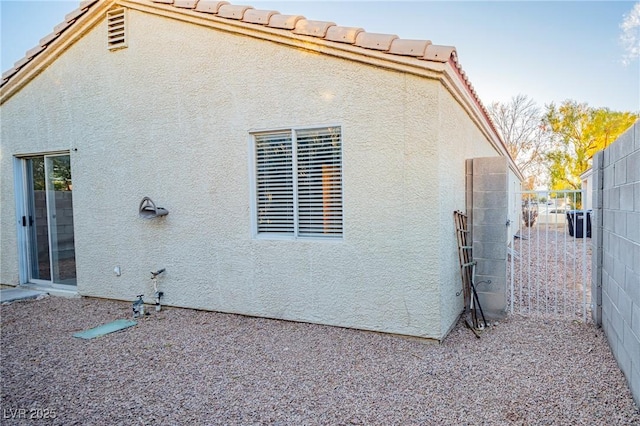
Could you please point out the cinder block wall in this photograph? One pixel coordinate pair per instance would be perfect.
(616, 258)
(489, 200)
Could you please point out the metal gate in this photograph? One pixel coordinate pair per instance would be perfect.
(549, 267)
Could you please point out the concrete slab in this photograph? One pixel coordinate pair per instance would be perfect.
(13, 294)
(104, 329)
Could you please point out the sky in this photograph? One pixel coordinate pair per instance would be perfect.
(550, 51)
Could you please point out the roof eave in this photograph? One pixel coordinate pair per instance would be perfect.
(33, 67)
(460, 89)
(55, 48)
(438, 66)
(432, 69)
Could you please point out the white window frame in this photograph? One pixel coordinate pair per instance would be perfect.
(254, 192)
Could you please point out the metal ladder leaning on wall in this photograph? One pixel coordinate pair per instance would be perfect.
(472, 309)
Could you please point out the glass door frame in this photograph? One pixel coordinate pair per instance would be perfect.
(24, 200)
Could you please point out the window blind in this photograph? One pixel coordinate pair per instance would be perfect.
(274, 183)
(307, 203)
(319, 182)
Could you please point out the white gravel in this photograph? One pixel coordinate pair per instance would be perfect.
(183, 366)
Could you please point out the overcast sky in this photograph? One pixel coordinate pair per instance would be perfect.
(550, 51)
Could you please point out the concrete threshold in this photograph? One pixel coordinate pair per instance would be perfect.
(70, 292)
(13, 294)
(33, 291)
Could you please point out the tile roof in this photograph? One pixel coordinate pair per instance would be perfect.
(69, 19)
(381, 43)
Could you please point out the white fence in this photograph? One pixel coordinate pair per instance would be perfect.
(550, 258)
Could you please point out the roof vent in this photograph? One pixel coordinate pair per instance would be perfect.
(116, 29)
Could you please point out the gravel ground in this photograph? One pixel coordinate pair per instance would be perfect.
(182, 366)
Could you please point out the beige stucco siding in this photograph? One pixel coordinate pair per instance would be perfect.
(459, 139)
(170, 117)
(8, 244)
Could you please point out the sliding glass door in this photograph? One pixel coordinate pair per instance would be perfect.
(48, 220)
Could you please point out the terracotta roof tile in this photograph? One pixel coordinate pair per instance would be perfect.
(8, 73)
(261, 17)
(439, 53)
(48, 39)
(343, 34)
(87, 4)
(232, 11)
(415, 48)
(58, 29)
(22, 62)
(209, 6)
(185, 4)
(312, 28)
(72, 16)
(286, 22)
(297, 24)
(375, 41)
(33, 52)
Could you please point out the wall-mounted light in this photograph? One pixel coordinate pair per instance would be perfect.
(148, 209)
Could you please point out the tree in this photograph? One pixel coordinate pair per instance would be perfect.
(580, 131)
(519, 122)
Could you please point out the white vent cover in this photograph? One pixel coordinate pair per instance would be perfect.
(116, 29)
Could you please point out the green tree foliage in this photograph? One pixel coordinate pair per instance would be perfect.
(579, 132)
(59, 173)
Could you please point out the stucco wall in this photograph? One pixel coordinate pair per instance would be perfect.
(8, 243)
(458, 140)
(587, 189)
(170, 116)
